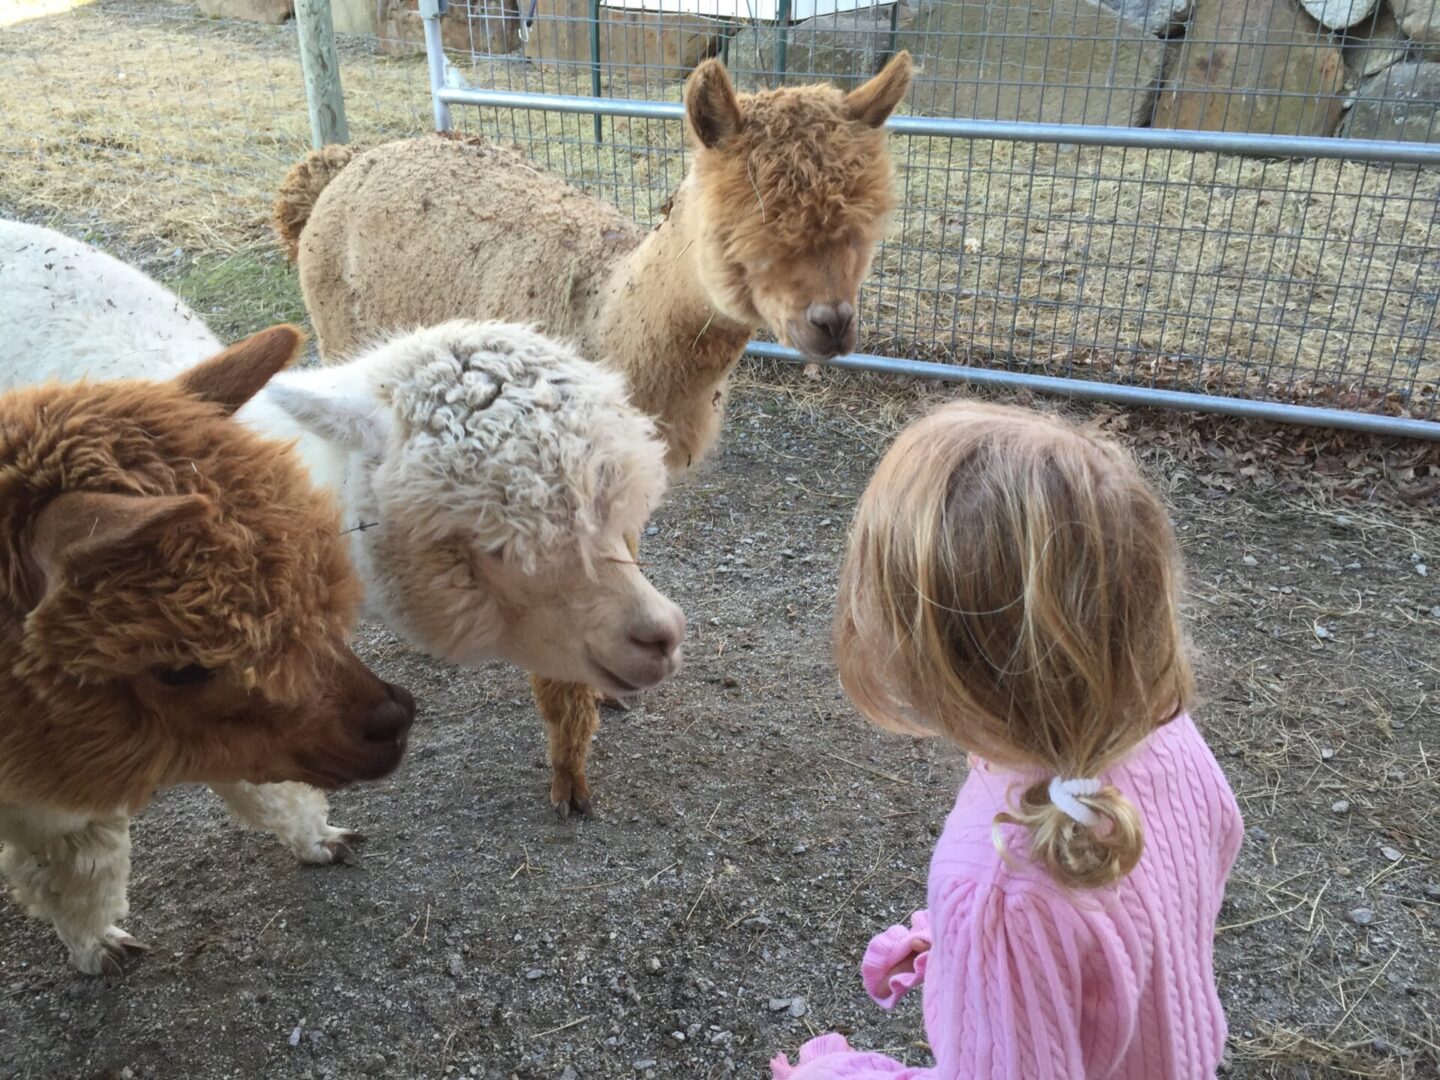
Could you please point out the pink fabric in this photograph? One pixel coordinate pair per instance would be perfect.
(1024, 980)
(895, 961)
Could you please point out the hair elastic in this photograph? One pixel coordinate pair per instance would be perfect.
(1063, 795)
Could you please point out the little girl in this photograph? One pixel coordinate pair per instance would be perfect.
(1011, 586)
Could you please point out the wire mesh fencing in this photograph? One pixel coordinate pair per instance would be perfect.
(1232, 198)
(1274, 273)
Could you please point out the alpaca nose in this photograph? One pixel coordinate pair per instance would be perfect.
(389, 720)
(833, 319)
(660, 637)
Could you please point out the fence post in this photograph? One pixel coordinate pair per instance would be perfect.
(321, 69)
(430, 12)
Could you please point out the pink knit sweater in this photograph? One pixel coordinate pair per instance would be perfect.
(1026, 981)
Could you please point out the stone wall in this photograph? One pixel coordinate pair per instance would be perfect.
(1357, 68)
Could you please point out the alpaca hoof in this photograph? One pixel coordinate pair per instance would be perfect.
(341, 852)
(107, 956)
(331, 848)
(568, 797)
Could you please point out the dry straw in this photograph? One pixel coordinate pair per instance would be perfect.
(1190, 270)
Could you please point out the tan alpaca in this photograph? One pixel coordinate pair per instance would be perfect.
(774, 227)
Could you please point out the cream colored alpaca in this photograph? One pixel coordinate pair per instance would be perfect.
(774, 226)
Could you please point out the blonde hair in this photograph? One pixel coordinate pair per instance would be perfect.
(1012, 584)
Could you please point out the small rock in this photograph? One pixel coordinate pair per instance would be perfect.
(1326, 753)
(678, 1036)
(1340, 806)
(1432, 890)
(374, 1065)
(643, 1064)
(534, 973)
(1250, 560)
(1393, 854)
(1422, 569)
(1362, 916)
(779, 1004)
(456, 966)
(1321, 632)
(1259, 835)
(295, 1035)
(127, 1073)
(797, 1008)
(799, 849)
(1381, 1047)
(653, 964)
(1435, 612)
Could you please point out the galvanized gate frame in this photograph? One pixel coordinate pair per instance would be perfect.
(1220, 142)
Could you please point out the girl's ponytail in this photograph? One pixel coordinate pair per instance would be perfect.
(1087, 835)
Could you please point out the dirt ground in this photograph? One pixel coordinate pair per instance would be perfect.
(752, 832)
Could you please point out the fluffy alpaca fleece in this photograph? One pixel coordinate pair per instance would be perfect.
(780, 213)
(487, 477)
(774, 226)
(174, 604)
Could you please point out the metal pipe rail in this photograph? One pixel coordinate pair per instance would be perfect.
(1210, 142)
(1119, 393)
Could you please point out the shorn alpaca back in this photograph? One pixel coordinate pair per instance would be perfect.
(71, 310)
(540, 249)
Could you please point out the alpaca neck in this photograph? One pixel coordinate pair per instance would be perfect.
(654, 321)
(329, 465)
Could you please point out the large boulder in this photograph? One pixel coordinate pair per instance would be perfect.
(479, 26)
(845, 47)
(1053, 61)
(1339, 14)
(267, 11)
(353, 16)
(1375, 44)
(641, 44)
(1401, 103)
(1257, 66)
(1419, 18)
(1162, 17)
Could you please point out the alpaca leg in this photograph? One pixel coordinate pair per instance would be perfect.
(571, 720)
(296, 814)
(72, 871)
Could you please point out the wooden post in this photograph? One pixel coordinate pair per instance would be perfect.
(321, 69)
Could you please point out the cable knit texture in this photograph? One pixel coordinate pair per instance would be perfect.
(1025, 980)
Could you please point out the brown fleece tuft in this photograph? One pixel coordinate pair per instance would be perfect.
(799, 167)
(299, 190)
(260, 588)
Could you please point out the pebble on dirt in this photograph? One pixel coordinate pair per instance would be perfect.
(1340, 806)
(1362, 916)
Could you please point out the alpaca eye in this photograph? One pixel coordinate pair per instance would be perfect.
(189, 675)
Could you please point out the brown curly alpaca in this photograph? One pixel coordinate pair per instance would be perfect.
(174, 606)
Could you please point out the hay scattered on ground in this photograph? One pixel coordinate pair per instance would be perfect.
(1280, 278)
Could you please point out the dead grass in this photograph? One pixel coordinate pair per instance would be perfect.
(1291, 279)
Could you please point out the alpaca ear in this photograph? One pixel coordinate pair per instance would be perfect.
(232, 377)
(318, 401)
(84, 529)
(711, 108)
(873, 102)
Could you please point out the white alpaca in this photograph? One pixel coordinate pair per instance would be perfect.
(489, 475)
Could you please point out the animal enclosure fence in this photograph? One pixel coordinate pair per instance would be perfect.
(1221, 204)
(1226, 204)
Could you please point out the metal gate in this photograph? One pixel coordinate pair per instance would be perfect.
(1067, 223)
